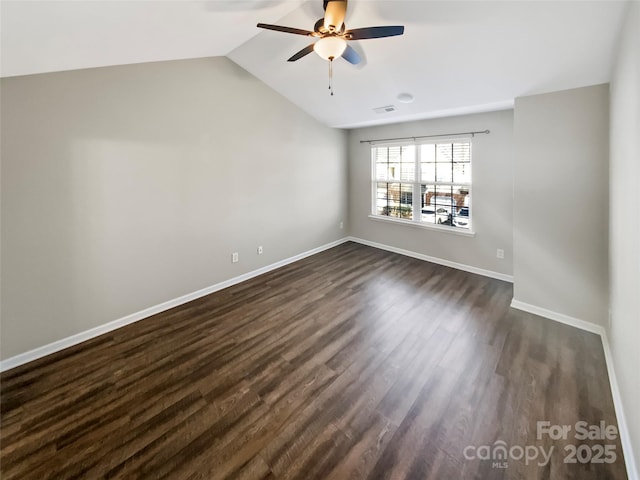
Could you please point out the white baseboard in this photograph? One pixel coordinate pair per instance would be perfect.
(623, 430)
(61, 344)
(439, 261)
(558, 317)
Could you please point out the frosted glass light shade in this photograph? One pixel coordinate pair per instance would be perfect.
(330, 47)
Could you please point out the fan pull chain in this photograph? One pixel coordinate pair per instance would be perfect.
(331, 75)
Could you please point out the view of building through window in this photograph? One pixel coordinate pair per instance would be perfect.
(428, 183)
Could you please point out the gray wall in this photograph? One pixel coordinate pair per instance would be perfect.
(624, 233)
(125, 187)
(492, 193)
(560, 216)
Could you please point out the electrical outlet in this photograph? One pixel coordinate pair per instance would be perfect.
(500, 253)
(234, 257)
(341, 225)
(260, 250)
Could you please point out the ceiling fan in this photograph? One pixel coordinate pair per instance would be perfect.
(332, 35)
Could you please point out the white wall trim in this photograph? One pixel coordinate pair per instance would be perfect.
(623, 430)
(61, 344)
(426, 226)
(439, 261)
(558, 317)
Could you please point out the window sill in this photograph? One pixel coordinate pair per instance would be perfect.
(411, 223)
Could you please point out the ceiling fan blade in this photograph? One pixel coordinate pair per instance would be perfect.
(374, 32)
(351, 56)
(334, 13)
(279, 28)
(305, 51)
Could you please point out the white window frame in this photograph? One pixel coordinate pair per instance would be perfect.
(416, 221)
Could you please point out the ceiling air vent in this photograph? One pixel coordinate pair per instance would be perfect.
(387, 109)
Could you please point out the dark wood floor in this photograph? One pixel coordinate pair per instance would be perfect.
(352, 364)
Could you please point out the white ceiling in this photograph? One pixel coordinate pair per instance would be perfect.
(455, 56)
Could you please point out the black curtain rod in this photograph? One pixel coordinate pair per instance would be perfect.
(484, 132)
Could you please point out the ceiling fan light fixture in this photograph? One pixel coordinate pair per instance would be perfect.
(330, 48)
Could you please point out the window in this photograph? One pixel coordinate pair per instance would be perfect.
(427, 183)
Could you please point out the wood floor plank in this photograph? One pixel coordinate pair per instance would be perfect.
(355, 363)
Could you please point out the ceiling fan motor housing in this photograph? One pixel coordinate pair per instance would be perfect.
(334, 13)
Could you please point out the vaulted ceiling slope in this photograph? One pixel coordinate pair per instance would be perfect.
(454, 57)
